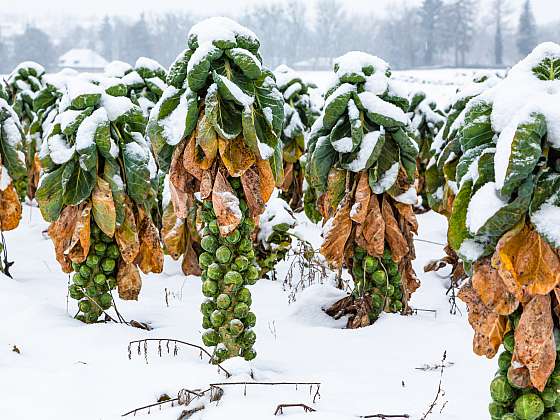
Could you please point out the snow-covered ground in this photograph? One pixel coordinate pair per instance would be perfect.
(66, 370)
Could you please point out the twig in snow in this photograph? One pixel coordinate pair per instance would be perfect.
(316, 396)
(280, 408)
(386, 416)
(426, 367)
(167, 342)
(440, 392)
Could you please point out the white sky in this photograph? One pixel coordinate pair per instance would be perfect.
(40, 10)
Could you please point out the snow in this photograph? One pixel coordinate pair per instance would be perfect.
(408, 197)
(284, 76)
(219, 28)
(241, 97)
(354, 61)
(117, 68)
(387, 179)
(77, 87)
(116, 106)
(10, 126)
(277, 212)
(82, 58)
(85, 136)
(231, 202)
(175, 123)
(5, 179)
(471, 250)
(366, 148)
(376, 105)
(60, 151)
(484, 203)
(343, 89)
(132, 79)
(39, 69)
(148, 63)
(344, 145)
(547, 222)
(290, 90)
(136, 150)
(265, 150)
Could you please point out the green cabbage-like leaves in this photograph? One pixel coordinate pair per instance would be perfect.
(319, 165)
(478, 127)
(50, 195)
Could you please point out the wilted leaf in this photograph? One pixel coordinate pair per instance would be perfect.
(206, 184)
(127, 234)
(361, 199)
(190, 163)
(207, 140)
(78, 248)
(393, 235)
(337, 234)
(266, 179)
(150, 255)
(534, 340)
(173, 233)
(518, 376)
(128, 281)
(492, 290)
(336, 188)
(226, 205)
(527, 263)
(489, 327)
(236, 155)
(251, 188)
(370, 235)
(288, 176)
(10, 208)
(190, 261)
(104, 212)
(407, 212)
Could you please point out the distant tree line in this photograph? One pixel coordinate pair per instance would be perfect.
(435, 33)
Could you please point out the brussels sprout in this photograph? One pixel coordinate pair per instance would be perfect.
(210, 338)
(249, 354)
(551, 416)
(108, 265)
(549, 397)
(111, 282)
(233, 278)
(221, 352)
(205, 259)
(496, 410)
(528, 407)
(85, 306)
(206, 322)
(92, 290)
(241, 263)
(241, 310)
(85, 271)
(113, 251)
(217, 318)
(207, 216)
(396, 279)
(509, 342)
(208, 205)
(213, 227)
(79, 279)
(250, 254)
(250, 320)
(357, 271)
(105, 300)
(248, 338)
(379, 278)
(508, 416)
(393, 268)
(105, 238)
(370, 264)
(245, 245)
(377, 300)
(501, 391)
(387, 257)
(236, 327)
(75, 292)
(244, 295)
(397, 306)
(235, 184)
(81, 317)
(252, 274)
(243, 205)
(398, 295)
(100, 278)
(91, 317)
(223, 301)
(504, 361)
(390, 289)
(209, 288)
(95, 231)
(223, 254)
(100, 248)
(209, 243)
(75, 266)
(207, 307)
(214, 271)
(359, 252)
(248, 225)
(234, 237)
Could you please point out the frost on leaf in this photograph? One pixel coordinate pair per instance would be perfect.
(226, 205)
(337, 234)
(128, 281)
(489, 327)
(492, 290)
(534, 340)
(10, 208)
(527, 263)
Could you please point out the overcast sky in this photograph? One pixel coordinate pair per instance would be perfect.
(545, 10)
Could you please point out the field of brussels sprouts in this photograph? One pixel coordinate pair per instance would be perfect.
(219, 240)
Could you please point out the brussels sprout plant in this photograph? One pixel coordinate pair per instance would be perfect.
(502, 227)
(96, 191)
(363, 165)
(217, 130)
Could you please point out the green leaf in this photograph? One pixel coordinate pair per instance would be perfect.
(135, 161)
(49, 195)
(229, 91)
(548, 69)
(388, 164)
(268, 96)
(336, 104)
(45, 98)
(111, 174)
(9, 144)
(85, 100)
(525, 152)
(458, 231)
(477, 129)
(356, 125)
(77, 183)
(178, 70)
(546, 187)
(320, 164)
(276, 164)
(72, 127)
(485, 169)
(199, 67)
(466, 160)
(249, 130)
(246, 61)
(225, 118)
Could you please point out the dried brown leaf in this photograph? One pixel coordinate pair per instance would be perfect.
(491, 288)
(407, 212)
(104, 212)
(489, 327)
(361, 199)
(126, 234)
(150, 254)
(236, 155)
(393, 235)
(10, 208)
(78, 248)
(534, 340)
(128, 281)
(189, 159)
(190, 261)
(206, 184)
(337, 235)
(370, 235)
(207, 141)
(173, 233)
(288, 176)
(266, 179)
(252, 190)
(226, 205)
